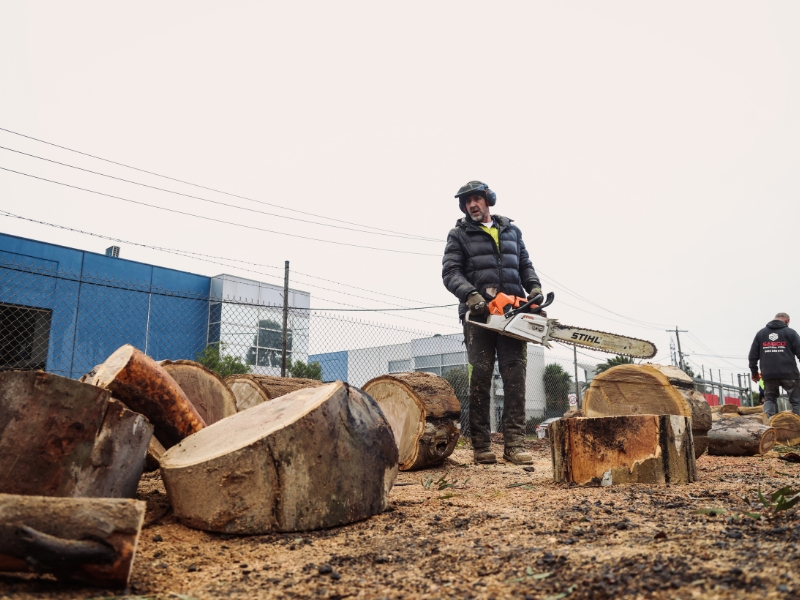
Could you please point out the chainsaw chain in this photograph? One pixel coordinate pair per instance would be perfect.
(559, 325)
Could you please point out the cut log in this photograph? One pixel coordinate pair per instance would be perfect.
(315, 458)
(756, 417)
(209, 395)
(787, 428)
(424, 413)
(649, 389)
(85, 539)
(623, 449)
(118, 456)
(740, 436)
(250, 390)
(750, 410)
(138, 380)
(154, 453)
(48, 426)
(729, 409)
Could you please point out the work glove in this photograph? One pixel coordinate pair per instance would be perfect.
(535, 292)
(476, 304)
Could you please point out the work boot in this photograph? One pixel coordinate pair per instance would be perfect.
(518, 456)
(484, 456)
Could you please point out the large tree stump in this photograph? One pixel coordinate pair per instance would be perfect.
(623, 449)
(316, 458)
(86, 539)
(424, 414)
(251, 390)
(60, 437)
(787, 428)
(739, 436)
(138, 380)
(649, 389)
(206, 390)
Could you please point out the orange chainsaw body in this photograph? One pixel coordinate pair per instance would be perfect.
(497, 306)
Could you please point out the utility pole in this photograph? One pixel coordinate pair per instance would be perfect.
(681, 364)
(285, 316)
(577, 386)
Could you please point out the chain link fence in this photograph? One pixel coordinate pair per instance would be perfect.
(66, 323)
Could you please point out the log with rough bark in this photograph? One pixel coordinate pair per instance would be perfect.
(756, 417)
(727, 409)
(750, 410)
(60, 437)
(145, 387)
(739, 436)
(209, 395)
(118, 456)
(623, 449)
(251, 390)
(85, 539)
(315, 458)
(649, 389)
(424, 414)
(154, 453)
(787, 428)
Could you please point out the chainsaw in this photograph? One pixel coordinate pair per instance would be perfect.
(522, 319)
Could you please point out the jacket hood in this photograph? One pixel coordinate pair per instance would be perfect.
(466, 222)
(776, 324)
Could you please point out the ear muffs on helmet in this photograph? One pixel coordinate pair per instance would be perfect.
(475, 187)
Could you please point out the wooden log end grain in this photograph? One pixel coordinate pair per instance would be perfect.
(138, 381)
(316, 458)
(787, 428)
(424, 414)
(85, 539)
(48, 426)
(623, 449)
(251, 390)
(206, 390)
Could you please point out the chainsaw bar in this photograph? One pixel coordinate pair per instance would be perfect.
(601, 340)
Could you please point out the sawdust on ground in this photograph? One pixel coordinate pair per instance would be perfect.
(498, 532)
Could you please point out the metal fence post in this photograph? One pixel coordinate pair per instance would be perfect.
(285, 317)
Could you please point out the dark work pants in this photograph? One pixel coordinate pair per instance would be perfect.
(792, 387)
(512, 360)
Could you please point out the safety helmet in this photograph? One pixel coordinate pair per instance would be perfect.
(475, 187)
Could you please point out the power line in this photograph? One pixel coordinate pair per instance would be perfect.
(180, 212)
(196, 256)
(210, 189)
(253, 210)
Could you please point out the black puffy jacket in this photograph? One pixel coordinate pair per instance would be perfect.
(775, 347)
(472, 262)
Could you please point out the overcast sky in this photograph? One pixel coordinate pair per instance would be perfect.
(648, 151)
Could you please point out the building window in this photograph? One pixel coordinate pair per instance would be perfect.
(399, 366)
(24, 337)
(266, 350)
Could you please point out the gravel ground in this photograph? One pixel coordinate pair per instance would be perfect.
(498, 531)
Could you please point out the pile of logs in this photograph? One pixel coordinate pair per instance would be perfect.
(247, 455)
(740, 431)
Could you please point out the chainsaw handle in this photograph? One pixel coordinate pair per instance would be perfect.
(538, 297)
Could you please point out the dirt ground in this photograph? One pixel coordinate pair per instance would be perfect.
(500, 532)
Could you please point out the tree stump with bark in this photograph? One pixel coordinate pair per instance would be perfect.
(206, 390)
(250, 390)
(60, 437)
(145, 387)
(623, 449)
(85, 539)
(649, 389)
(740, 436)
(424, 413)
(787, 428)
(315, 458)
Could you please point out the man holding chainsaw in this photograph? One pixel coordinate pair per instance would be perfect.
(484, 256)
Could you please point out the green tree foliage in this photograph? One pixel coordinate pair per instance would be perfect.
(213, 357)
(557, 384)
(297, 368)
(613, 362)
